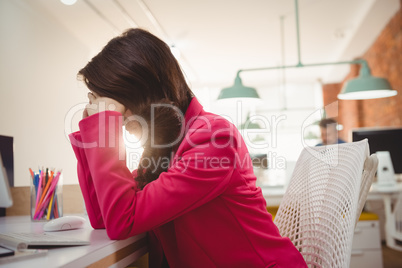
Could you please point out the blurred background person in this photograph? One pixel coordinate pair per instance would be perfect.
(329, 132)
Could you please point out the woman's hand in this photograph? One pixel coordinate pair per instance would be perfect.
(99, 104)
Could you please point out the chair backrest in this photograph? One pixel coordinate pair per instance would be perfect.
(369, 170)
(323, 201)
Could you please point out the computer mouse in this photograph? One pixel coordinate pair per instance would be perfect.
(64, 223)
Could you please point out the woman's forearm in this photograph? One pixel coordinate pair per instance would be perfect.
(86, 183)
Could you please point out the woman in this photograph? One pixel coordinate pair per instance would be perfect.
(194, 190)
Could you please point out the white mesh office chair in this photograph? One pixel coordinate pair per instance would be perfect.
(324, 199)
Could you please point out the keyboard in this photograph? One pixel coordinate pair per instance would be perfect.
(28, 240)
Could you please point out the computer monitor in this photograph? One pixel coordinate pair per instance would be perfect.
(383, 139)
(7, 153)
(6, 171)
(5, 194)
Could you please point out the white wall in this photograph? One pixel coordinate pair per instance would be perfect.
(39, 61)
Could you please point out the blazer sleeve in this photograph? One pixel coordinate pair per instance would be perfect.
(202, 173)
(86, 183)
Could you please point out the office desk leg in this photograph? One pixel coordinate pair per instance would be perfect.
(390, 228)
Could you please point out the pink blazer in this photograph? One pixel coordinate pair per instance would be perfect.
(205, 211)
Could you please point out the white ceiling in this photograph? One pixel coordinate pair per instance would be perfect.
(216, 38)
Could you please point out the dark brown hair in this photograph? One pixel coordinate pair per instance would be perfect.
(325, 122)
(138, 69)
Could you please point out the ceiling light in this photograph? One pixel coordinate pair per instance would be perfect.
(68, 2)
(366, 87)
(363, 87)
(238, 90)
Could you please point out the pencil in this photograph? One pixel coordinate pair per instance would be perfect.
(53, 204)
(49, 182)
(38, 193)
(50, 208)
(32, 174)
(41, 207)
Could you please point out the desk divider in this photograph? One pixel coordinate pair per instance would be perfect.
(73, 202)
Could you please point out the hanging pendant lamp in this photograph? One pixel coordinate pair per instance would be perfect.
(363, 87)
(238, 90)
(366, 87)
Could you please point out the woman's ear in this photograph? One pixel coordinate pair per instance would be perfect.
(91, 97)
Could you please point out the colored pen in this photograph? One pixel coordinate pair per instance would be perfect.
(38, 193)
(41, 207)
(45, 191)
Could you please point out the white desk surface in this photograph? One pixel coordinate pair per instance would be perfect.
(274, 195)
(376, 190)
(100, 248)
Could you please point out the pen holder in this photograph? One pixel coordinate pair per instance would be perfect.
(46, 195)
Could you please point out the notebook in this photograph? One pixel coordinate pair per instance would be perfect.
(20, 241)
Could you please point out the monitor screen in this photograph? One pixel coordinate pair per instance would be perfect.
(5, 194)
(383, 139)
(7, 154)
(6, 171)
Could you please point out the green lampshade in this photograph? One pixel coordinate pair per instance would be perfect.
(366, 87)
(238, 90)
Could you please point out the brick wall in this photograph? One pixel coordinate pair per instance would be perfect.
(384, 58)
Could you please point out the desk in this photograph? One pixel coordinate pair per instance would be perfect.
(378, 193)
(102, 252)
(387, 194)
(274, 195)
